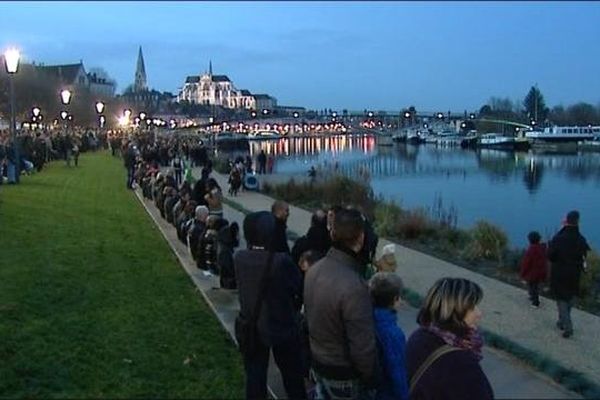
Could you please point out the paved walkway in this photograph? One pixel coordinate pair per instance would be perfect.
(506, 312)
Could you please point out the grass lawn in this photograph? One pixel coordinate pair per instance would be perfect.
(92, 301)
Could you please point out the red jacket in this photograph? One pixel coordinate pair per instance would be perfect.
(534, 265)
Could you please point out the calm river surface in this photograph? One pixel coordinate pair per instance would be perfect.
(519, 192)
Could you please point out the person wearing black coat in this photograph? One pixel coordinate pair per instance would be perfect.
(567, 252)
(276, 324)
(316, 239)
(281, 211)
(228, 240)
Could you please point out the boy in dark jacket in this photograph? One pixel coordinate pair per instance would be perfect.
(534, 266)
(385, 289)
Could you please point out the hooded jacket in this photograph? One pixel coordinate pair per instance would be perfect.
(282, 298)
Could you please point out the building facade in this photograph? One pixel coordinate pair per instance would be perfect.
(218, 90)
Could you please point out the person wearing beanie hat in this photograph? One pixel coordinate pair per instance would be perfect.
(567, 252)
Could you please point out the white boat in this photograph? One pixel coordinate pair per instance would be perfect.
(558, 134)
(497, 141)
(263, 135)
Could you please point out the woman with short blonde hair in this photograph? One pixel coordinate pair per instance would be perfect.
(443, 355)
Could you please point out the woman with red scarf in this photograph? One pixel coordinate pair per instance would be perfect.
(443, 355)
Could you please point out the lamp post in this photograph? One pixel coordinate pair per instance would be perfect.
(99, 110)
(65, 98)
(11, 62)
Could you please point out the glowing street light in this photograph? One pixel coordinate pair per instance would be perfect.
(142, 116)
(127, 113)
(407, 114)
(439, 115)
(99, 107)
(296, 114)
(36, 111)
(265, 111)
(63, 115)
(11, 62)
(65, 96)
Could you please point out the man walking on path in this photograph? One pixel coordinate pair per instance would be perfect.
(262, 162)
(567, 252)
(281, 212)
(340, 316)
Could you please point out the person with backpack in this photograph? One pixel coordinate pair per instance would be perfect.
(443, 354)
(269, 287)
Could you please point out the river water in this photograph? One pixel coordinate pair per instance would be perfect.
(517, 191)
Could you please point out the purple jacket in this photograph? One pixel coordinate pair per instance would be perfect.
(456, 375)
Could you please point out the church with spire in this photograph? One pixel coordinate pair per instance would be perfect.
(140, 84)
(139, 96)
(218, 90)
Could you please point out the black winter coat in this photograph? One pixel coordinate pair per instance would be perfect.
(226, 243)
(279, 241)
(282, 298)
(453, 376)
(566, 252)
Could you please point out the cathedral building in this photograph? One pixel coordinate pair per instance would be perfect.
(218, 90)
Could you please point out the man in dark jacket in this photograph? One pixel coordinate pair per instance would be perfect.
(567, 251)
(281, 212)
(276, 323)
(340, 314)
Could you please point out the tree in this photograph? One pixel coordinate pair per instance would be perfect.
(535, 106)
(582, 114)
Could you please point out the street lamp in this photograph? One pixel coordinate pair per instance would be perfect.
(63, 115)
(127, 113)
(439, 115)
(142, 116)
(36, 111)
(265, 111)
(296, 114)
(472, 116)
(65, 96)
(99, 109)
(11, 62)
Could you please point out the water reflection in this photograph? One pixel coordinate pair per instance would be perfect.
(518, 191)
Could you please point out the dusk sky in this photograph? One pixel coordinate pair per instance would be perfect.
(354, 55)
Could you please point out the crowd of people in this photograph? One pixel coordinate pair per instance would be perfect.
(325, 307)
(36, 147)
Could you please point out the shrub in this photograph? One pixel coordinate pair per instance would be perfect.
(489, 242)
(222, 165)
(414, 225)
(387, 216)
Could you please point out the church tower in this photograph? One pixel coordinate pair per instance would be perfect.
(140, 84)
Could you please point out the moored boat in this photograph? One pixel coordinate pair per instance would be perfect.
(564, 134)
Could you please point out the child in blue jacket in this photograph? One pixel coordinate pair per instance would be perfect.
(385, 289)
